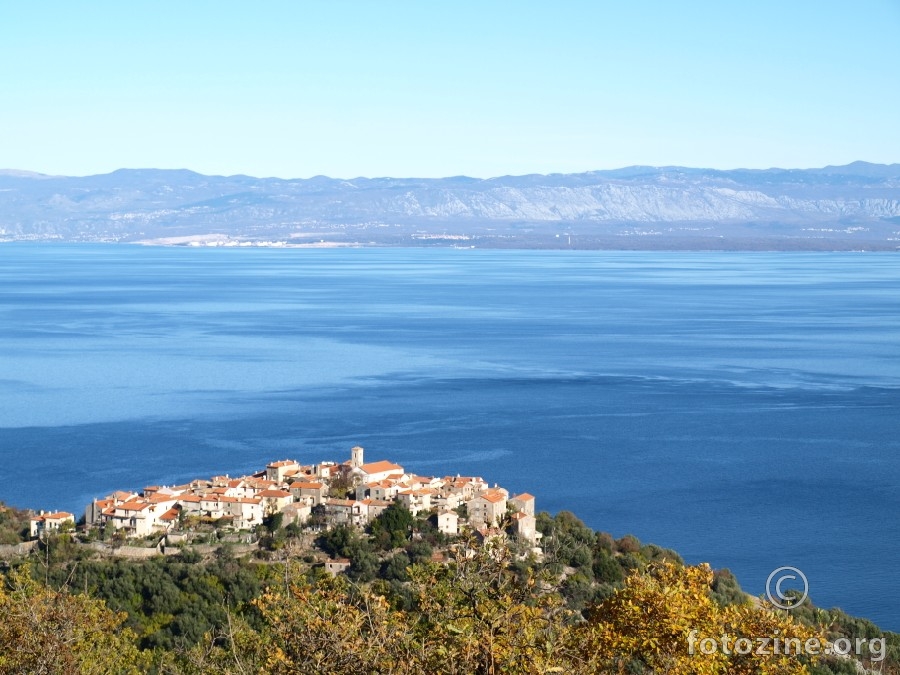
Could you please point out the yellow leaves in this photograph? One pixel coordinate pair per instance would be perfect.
(332, 627)
(475, 616)
(659, 616)
(44, 630)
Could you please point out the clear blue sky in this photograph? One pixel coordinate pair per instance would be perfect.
(295, 89)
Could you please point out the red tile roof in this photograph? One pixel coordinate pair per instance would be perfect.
(171, 514)
(60, 515)
(273, 494)
(381, 466)
(340, 502)
(133, 505)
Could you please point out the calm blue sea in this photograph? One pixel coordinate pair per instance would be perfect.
(742, 408)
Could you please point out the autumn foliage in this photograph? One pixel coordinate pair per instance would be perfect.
(647, 627)
(60, 633)
(475, 616)
(483, 611)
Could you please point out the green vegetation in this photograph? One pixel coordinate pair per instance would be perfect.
(592, 604)
(168, 602)
(14, 525)
(43, 630)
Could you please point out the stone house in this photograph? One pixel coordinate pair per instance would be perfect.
(279, 471)
(275, 500)
(523, 526)
(377, 471)
(524, 503)
(48, 523)
(311, 490)
(139, 517)
(488, 508)
(345, 512)
(416, 501)
(297, 513)
(375, 507)
(337, 566)
(247, 512)
(448, 522)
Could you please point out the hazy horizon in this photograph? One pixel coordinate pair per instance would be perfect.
(25, 172)
(410, 89)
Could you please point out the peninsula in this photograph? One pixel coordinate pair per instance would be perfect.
(340, 567)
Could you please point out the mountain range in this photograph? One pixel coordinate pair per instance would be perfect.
(856, 206)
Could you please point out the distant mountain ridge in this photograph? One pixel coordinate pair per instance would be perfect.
(852, 206)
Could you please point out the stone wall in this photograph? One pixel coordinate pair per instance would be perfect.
(15, 550)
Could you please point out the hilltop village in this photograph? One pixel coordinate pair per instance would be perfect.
(327, 494)
(343, 566)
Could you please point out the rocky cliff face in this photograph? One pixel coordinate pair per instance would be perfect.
(856, 203)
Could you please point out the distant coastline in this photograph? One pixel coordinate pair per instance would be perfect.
(844, 208)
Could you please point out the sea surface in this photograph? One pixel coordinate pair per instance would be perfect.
(741, 408)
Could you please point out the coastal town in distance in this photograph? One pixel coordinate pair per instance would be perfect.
(323, 495)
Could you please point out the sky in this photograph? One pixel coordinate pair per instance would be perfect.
(427, 89)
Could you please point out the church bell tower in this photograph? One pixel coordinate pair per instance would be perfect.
(356, 457)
